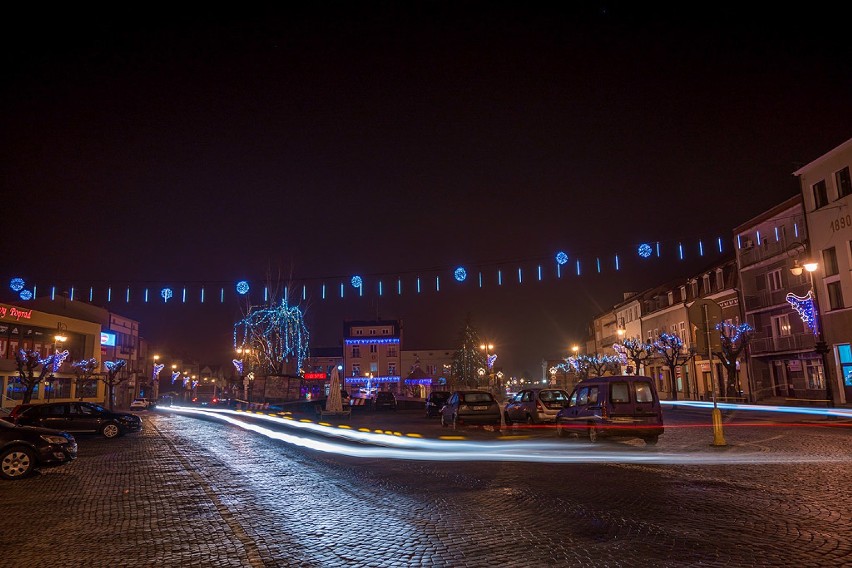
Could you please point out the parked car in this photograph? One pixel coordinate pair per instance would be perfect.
(141, 404)
(24, 449)
(435, 402)
(619, 407)
(535, 406)
(384, 400)
(471, 407)
(77, 417)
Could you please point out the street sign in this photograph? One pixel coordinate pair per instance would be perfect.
(703, 321)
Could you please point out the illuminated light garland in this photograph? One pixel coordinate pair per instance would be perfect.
(57, 359)
(561, 258)
(804, 306)
(490, 361)
(460, 274)
(368, 341)
(644, 250)
(242, 287)
(238, 365)
(357, 282)
(175, 375)
(17, 284)
(732, 331)
(26, 295)
(166, 293)
(155, 375)
(367, 380)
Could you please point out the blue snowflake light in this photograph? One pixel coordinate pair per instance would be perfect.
(16, 284)
(26, 295)
(460, 274)
(561, 258)
(645, 250)
(166, 293)
(242, 287)
(357, 282)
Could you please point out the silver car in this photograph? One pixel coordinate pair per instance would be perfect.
(535, 406)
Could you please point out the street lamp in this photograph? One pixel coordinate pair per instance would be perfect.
(576, 350)
(488, 348)
(821, 346)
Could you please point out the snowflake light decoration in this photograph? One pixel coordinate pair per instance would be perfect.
(166, 293)
(16, 284)
(242, 287)
(561, 258)
(645, 250)
(460, 274)
(357, 282)
(26, 295)
(804, 306)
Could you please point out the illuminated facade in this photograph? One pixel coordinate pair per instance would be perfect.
(372, 355)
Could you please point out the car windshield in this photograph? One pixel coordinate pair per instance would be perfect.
(471, 397)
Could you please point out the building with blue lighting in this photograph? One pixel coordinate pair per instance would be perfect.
(372, 356)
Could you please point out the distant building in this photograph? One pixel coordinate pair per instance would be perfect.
(372, 355)
(425, 370)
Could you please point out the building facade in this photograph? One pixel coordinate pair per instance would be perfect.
(826, 185)
(372, 356)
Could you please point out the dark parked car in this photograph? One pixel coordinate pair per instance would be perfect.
(435, 402)
(620, 407)
(471, 407)
(384, 400)
(77, 417)
(535, 406)
(24, 449)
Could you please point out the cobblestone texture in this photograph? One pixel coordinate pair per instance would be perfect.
(190, 492)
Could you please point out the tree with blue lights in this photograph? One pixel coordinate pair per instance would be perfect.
(468, 359)
(277, 337)
(84, 370)
(27, 362)
(634, 350)
(593, 365)
(734, 339)
(113, 377)
(671, 349)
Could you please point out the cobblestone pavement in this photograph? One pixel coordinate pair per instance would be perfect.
(193, 492)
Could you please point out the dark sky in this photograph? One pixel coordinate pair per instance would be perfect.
(402, 138)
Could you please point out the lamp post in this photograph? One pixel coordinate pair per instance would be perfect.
(821, 346)
(488, 348)
(58, 341)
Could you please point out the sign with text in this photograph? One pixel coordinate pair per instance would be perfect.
(107, 339)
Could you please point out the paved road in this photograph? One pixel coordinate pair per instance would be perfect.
(192, 492)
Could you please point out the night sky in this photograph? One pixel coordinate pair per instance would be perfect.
(396, 139)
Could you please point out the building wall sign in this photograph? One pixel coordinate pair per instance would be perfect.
(11, 312)
(107, 339)
(315, 375)
(729, 303)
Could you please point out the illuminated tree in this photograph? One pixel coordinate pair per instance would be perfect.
(734, 338)
(636, 351)
(112, 378)
(671, 349)
(469, 359)
(276, 336)
(84, 371)
(27, 362)
(595, 365)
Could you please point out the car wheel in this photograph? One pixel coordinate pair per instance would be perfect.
(561, 431)
(530, 420)
(16, 463)
(593, 434)
(111, 430)
(651, 440)
(507, 419)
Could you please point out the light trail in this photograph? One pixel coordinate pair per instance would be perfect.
(825, 412)
(394, 445)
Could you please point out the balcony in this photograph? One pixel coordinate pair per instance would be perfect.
(757, 253)
(770, 298)
(762, 343)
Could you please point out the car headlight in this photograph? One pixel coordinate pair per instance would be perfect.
(54, 439)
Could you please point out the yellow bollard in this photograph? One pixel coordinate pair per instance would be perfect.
(718, 435)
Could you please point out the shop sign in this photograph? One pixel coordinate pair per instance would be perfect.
(315, 375)
(11, 312)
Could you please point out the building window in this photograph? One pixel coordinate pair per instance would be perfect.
(844, 182)
(392, 351)
(780, 326)
(356, 351)
(773, 280)
(372, 332)
(374, 348)
(356, 369)
(359, 332)
(682, 331)
(813, 371)
(720, 280)
(706, 284)
(671, 297)
(391, 368)
(829, 257)
(835, 295)
(820, 194)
